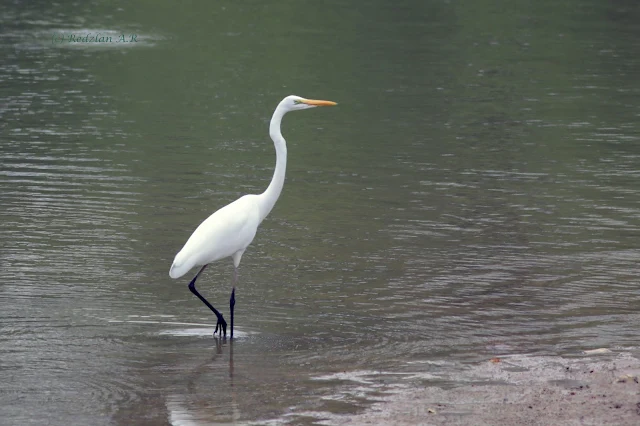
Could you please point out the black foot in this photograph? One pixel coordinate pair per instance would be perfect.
(221, 325)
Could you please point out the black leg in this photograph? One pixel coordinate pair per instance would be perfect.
(221, 324)
(232, 303)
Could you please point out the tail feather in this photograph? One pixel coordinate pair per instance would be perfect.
(179, 267)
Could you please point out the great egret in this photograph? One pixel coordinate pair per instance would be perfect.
(229, 231)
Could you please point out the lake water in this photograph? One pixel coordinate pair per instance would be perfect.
(474, 194)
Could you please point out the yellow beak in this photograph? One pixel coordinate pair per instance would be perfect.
(318, 103)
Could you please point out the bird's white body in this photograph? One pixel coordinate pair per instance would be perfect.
(227, 232)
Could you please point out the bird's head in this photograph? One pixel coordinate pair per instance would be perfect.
(294, 103)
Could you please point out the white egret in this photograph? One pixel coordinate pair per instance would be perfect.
(229, 231)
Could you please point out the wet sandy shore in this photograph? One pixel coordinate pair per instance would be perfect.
(596, 389)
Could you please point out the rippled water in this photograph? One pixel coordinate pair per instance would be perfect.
(474, 194)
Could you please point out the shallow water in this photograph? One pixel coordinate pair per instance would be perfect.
(474, 194)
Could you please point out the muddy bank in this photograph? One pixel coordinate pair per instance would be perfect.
(597, 389)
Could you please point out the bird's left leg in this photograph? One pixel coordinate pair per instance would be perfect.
(232, 301)
(221, 324)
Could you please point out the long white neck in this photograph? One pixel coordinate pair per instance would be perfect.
(269, 197)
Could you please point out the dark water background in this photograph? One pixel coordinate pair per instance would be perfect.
(474, 194)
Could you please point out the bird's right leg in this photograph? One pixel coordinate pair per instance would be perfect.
(221, 324)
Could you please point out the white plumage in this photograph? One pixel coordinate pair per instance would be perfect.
(229, 231)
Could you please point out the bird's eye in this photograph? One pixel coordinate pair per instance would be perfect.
(296, 102)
